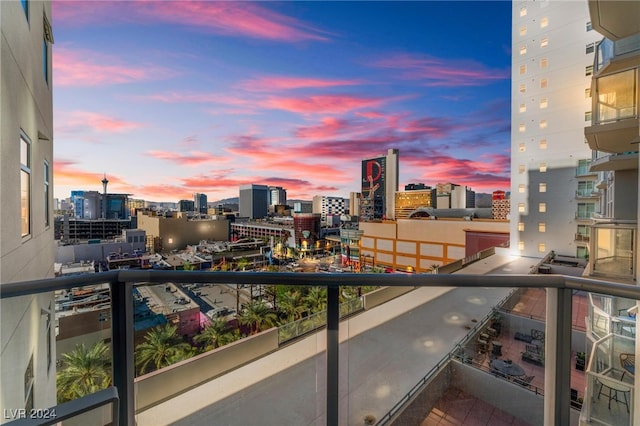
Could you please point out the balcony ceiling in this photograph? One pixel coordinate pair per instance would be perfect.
(615, 162)
(615, 19)
(615, 137)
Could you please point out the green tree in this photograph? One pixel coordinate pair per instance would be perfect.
(316, 299)
(257, 316)
(161, 348)
(85, 370)
(291, 305)
(243, 262)
(213, 335)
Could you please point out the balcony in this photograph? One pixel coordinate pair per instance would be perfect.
(582, 238)
(616, 162)
(344, 374)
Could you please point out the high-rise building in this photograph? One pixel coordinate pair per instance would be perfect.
(27, 323)
(380, 176)
(254, 201)
(277, 196)
(324, 205)
(186, 205)
(200, 203)
(552, 63)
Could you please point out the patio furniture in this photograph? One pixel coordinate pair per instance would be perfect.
(482, 346)
(523, 337)
(506, 368)
(628, 364)
(497, 348)
(613, 388)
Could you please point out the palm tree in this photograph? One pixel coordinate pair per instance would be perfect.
(213, 335)
(291, 305)
(257, 316)
(161, 348)
(316, 299)
(85, 370)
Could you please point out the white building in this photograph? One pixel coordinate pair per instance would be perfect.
(324, 205)
(27, 370)
(551, 197)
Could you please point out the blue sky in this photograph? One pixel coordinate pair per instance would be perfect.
(171, 98)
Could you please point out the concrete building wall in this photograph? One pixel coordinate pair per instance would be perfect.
(417, 245)
(548, 109)
(26, 328)
(178, 232)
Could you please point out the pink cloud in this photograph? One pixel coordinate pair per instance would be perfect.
(323, 103)
(440, 72)
(267, 83)
(65, 172)
(80, 68)
(80, 121)
(193, 159)
(240, 19)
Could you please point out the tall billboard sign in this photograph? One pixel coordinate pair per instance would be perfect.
(374, 174)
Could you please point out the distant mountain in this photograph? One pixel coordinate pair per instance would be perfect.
(233, 200)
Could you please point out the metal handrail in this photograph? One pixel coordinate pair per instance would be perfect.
(123, 281)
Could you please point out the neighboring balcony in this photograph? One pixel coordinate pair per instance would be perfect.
(615, 125)
(613, 250)
(582, 238)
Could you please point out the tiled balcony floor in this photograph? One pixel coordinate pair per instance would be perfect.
(459, 408)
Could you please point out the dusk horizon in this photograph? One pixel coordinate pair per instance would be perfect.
(168, 99)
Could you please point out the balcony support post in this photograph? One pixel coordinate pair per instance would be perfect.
(333, 346)
(557, 377)
(122, 346)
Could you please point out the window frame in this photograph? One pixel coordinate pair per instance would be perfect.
(25, 185)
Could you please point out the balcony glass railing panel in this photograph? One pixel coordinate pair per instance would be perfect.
(604, 53)
(430, 315)
(614, 251)
(616, 97)
(610, 388)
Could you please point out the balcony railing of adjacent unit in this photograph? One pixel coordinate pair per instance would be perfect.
(121, 396)
(587, 193)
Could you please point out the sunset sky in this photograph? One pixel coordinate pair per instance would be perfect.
(172, 98)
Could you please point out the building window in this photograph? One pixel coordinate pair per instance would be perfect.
(542, 144)
(541, 247)
(47, 211)
(590, 48)
(588, 70)
(543, 167)
(544, 102)
(523, 30)
(543, 124)
(544, 22)
(522, 127)
(521, 226)
(544, 62)
(521, 245)
(521, 168)
(523, 108)
(544, 42)
(542, 227)
(523, 69)
(587, 116)
(523, 49)
(46, 41)
(25, 184)
(589, 26)
(587, 92)
(521, 207)
(542, 187)
(523, 11)
(522, 147)
(542, 207)
(543, 83)
(521, 188)
(523, 88)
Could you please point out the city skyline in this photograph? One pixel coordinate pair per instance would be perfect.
(175, 98)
